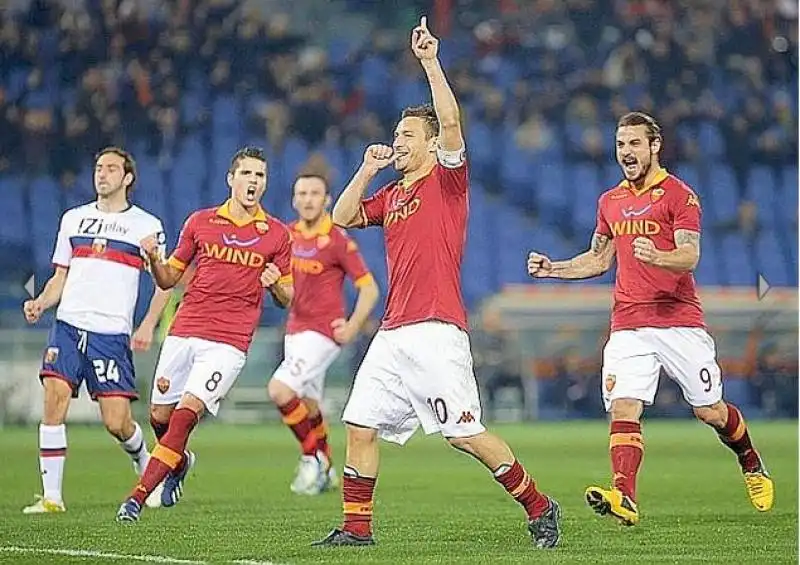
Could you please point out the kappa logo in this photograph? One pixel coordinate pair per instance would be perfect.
(629, 212)
(51, 355)
(162, 384)
(233, 241)
(466, 418)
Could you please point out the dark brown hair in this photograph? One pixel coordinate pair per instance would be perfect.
(128, 163)
(428, 116)
(244, 153)
(641, 119)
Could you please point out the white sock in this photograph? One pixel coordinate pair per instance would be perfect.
(52, 453)
(136, 447)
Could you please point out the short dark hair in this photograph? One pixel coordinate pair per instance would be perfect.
(428, 116)
(244, 153)
(128, 162)
(641, 119)
(312, 175)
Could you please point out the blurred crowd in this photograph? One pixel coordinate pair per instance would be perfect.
(551, 74)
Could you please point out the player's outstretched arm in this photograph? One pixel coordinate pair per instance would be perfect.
(347, 210)
(682, 259)
(49, 297)
(593, 263)
(426, 48)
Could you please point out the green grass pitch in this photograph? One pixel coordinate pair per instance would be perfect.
(434, 505)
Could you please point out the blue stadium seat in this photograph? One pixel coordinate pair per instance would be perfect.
(761, 191)
(294, 156)
(151, 195)
(707, 271)
(612, 176)
(225, 118)
(739, 268)
(482, 151)
(45, 203)
(710, 139)
(688, 174)
(724, 198)
(586, 188)
(517, 174)
(788, 196)
(408, 93)
(13, 228)
(771, 259)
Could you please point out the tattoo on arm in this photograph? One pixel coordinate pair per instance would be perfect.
(599, 243)
(687, 237)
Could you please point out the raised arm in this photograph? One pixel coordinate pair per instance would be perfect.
(592, 263)
(426, 48)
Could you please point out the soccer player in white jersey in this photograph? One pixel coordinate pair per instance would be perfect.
(97, 263)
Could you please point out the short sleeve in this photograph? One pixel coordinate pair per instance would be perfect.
(373, 208)
(686, 212)
(62, 255)
(453, 171)
(353, 263)
(187, 245)
(283, 258)
(602, 227)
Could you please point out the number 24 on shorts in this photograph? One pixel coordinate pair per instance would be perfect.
(106, 370)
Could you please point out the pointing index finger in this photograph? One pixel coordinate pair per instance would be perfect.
(423, 22)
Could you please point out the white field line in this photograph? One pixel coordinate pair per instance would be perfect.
(121, 556)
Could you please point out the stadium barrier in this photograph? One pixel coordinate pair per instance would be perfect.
(544, 364)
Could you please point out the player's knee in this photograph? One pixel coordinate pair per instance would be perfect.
(626, 409)
(279, 392)
(119, 425)
(714, 415)
(359, 437)
(57, 395)
(465, 444)
(160, 413)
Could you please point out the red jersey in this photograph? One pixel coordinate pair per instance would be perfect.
(320, 261)
(425, 229)
(645, 295)
(223, 300)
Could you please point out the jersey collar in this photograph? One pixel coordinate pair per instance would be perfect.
(224, 211)
(323, 228)
(659, 177)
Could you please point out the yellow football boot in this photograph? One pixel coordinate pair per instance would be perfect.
(44, 506)
(760, 489)
(613, 502)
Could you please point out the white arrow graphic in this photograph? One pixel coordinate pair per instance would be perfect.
(30, 286)
(762, 286)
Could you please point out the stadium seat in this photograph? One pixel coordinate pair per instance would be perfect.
(710, 139)
(151, 195)
(14, 227)
(738, 260)
(761, 191)
(772, 259)
(45, 198)
(707, 271)
(725, 200)
(585, 188)
(225, 119)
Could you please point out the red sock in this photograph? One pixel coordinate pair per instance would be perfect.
(736, 436)
(295, 415)
(357, 493)
(159, 428)
(320, 429)
(167, 454)
(626, 449)
(519, 484)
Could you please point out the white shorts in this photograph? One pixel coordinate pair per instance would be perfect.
(206, 369)
(306, 358)
(632, 362)
(417, 374)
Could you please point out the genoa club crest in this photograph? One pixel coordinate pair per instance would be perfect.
(51, 355)
(99, 246)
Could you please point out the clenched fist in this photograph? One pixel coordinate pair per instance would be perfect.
(271, 275)
(32, 310)
(645, 250)
(539, 266)
(378, 157)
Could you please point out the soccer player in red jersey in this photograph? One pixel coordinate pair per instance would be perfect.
(238, 250)
(418, 370)
(322, 256)
(651, 222)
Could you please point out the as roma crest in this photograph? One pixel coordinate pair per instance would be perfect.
(262, 227)
(323, 241)
(656, 195)
(51, 355)
(162, 384)
(611, 380)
